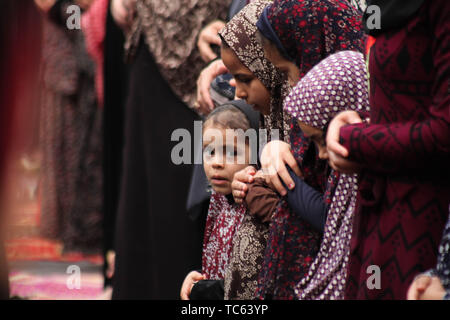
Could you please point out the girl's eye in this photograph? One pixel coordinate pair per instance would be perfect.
(244, 79)
(208, 152)
(232, 153)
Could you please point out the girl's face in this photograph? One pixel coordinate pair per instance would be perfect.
(248, 86)
(281, 63)
(317, 136)
(223, 156)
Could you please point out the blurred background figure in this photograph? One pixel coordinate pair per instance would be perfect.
(51, 153)
(19, 62)
(156, 243)
(70, 135)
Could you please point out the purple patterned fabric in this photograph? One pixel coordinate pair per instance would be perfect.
(337, 83)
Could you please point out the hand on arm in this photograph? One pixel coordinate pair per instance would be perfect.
(336, 152)
(274, 158)
(418, 144)
(239, 185)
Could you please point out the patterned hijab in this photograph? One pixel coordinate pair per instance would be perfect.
(240, 35)
(311, 30)
(336, 84)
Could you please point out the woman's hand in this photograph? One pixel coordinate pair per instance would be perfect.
(336, 152)
(426, 288)
(45, 5)
(209, 36)
(204, 104)
(274, 157)
(239, 187)
(189, 282)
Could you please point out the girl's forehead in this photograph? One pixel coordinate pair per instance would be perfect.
(233, 63)
(223, 136)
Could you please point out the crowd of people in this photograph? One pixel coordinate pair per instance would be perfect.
(348, 195)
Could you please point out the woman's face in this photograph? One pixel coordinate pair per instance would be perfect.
(284, 65)
(317, 136)
(248, 86)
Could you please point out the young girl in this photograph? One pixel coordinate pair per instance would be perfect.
(261, 85)
(223, 156)
(337, 83)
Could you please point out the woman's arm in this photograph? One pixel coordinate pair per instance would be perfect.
(411, 145)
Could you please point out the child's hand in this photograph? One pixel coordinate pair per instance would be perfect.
(419, 285)
(426, 288)
(259, 174)
(434, 290)
(188, 283)
(239, 186)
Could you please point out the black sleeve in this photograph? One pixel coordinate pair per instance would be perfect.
(307, 203)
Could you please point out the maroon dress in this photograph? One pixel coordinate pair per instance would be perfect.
(405, 190)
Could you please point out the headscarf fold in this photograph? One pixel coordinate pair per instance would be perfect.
(311, 30)
(336, 84)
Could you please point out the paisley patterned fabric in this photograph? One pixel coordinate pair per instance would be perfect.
(222, 223)
(170, 29)
(241, 275)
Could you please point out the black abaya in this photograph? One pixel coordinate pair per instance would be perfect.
(115, 75)
(156, 243)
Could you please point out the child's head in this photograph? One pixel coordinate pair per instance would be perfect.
(248, 86)
(256, 78)
(297, 34)
(227, 146)
(336, 84)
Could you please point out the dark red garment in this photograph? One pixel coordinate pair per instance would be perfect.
(405, 190)
(293, 243)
